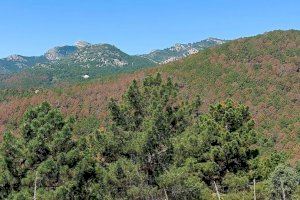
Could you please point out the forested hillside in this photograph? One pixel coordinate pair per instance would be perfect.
(262, 71)
(154, 145)
(247, 137)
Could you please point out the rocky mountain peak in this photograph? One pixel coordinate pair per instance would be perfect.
(178, 47)
(82, 44)
(16, 58)
(216, 40)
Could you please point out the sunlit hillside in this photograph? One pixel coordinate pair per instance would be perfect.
(243, 70)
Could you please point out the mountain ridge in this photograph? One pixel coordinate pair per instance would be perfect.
(181, 50)
(16, 63)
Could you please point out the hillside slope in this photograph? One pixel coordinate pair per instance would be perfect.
(260, 71)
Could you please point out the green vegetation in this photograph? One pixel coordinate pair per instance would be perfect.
(66, 73)
(261, 72)
(153, 145)
(7, 94)
(284, 181)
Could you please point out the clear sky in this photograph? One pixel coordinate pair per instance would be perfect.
(30, 27)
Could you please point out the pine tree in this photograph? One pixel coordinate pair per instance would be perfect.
(144, 122)
(219, 142)
(43, 149)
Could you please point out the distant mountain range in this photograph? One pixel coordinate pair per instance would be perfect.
(82, 54)
(179, 51)
(82, 60)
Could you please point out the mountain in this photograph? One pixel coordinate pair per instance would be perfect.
(68, 63)
(81, 54)
(179, 51)
(16, 63)
(71, 63)
(262, 72)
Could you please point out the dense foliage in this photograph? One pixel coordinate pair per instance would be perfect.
(153, 145)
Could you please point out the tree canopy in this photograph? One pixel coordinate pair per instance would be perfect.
(153, 145)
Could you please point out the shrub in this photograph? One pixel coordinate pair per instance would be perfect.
(283, 182)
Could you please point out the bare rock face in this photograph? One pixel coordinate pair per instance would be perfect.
(52, 54)
(216, 40)
(16, 58)
(82, 44)
(192, 51)
(57, 53)
(178, 47)
(171, 59)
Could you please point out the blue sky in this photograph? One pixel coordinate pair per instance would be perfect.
(30, 27)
